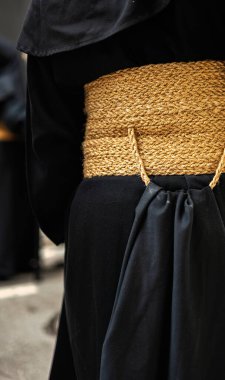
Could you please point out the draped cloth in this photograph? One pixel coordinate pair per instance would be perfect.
(53, 26)
(169, 311)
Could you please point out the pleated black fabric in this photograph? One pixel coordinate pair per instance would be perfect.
(169, 311)
(161, 315)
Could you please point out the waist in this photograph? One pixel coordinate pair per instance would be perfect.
(171, 115)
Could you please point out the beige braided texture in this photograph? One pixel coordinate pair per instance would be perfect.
(176, 111)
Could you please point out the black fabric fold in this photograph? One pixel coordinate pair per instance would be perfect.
(53, 26)
(167, 318)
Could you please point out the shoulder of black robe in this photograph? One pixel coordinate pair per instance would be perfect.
(53, 26)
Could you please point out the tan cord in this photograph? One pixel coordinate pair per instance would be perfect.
(177, 111)
(140, 165)
(219, 171)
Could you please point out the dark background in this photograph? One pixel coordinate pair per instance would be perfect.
(12, 13)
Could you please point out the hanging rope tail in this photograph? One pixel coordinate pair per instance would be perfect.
(139, 161)
(219, 171)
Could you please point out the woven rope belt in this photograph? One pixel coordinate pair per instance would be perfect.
(157, 119)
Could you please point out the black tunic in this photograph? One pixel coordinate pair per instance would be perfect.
(185, 339)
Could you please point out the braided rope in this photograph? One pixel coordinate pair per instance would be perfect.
(135, 150)
(176, 111)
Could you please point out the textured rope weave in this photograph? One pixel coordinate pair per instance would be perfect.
(157, 119)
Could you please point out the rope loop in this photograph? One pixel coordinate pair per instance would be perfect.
(142, 170)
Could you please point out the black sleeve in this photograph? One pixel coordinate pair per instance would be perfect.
(54, 136)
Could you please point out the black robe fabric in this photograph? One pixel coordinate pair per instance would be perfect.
(18, 227)
(144, 280)
(181, 266)
(53, 26)
(168, 316)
